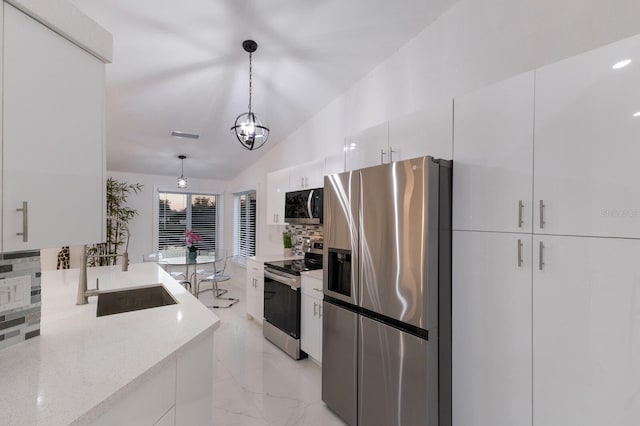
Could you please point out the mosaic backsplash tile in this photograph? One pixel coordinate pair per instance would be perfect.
(18, 324)
(300, 232)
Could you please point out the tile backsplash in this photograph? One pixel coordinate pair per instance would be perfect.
(300, 232)
(19, 297)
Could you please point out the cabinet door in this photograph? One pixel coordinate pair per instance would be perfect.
(491, 329)
(308, 329)
(306, 176)
(492, 157)
(254, 273)
(586, 147)
(367, 148)
(277, 186)
(586, 331)
(52, 138)
(424, 132)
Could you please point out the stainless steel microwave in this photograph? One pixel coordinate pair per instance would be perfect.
(304, 207)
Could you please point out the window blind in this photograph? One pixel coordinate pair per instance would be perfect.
(244, 226)
(181, 211)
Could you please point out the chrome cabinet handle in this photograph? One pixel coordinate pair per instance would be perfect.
(519, 253)
(542, 222)
(315, 308)
(382, 154)
(319, 310)
(520, 208)
(541, 256)
(391, 151)
(306, 181)
(25, 221)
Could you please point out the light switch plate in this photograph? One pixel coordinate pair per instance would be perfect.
(15, 292)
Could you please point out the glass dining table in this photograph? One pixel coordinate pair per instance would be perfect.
(188, 264)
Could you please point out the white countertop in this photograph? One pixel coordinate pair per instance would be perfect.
(273, 258)
(81, 364)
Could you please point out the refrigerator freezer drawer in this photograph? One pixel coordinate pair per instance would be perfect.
(339, 361)
(398, 377)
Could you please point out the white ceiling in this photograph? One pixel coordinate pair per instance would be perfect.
(179, 65)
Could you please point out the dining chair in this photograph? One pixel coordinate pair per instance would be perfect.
(215, 278)
(157, 256)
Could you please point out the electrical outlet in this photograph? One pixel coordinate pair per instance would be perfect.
(15, 292)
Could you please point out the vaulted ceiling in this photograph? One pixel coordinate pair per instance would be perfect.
(179, 65)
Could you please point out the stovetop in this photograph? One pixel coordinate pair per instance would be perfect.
(310, 262)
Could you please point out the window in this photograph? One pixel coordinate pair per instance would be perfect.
(244, 225)
(181, 211)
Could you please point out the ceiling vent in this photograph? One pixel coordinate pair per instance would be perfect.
(184, 135)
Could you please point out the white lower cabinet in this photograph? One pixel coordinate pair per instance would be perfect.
(255, 290)
(552, 342)
(180, 392)
(311, 317)
(586, 331)
(491, 329)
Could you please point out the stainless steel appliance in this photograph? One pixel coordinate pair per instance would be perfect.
(387, 305)
(282, 300)
(304, 207)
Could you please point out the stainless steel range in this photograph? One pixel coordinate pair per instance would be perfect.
(282, 299)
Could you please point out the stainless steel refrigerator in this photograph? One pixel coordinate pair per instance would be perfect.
(387, 294)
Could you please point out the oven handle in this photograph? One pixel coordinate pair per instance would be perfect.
(291, 282)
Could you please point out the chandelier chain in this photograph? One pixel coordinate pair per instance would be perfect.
(250, 82)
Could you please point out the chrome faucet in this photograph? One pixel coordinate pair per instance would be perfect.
(84, 293)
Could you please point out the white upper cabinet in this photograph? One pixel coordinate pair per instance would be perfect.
(52, 147)
(586, 144)
(306, 176)
(368, 148)
(586, 331)
(491, 329)
(277, 186)
(492, 157)
(424, 132)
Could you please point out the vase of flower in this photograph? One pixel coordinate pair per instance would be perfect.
(192, 253)
(191, 238)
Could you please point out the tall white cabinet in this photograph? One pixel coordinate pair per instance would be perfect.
(53, 95)
(491, 339)
(545, 179)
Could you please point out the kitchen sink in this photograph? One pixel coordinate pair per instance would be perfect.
(135, 299)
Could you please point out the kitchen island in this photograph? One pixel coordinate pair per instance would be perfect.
(142, 367)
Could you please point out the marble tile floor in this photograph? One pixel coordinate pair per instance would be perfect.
(255, 383)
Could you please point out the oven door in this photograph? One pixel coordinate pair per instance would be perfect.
(282, 301)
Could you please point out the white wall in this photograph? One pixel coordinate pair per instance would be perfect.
(142, 225)
(474, 44)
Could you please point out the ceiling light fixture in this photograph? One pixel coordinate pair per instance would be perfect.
(637, 114)
(621, 64)
(182, 181)
(248, 129)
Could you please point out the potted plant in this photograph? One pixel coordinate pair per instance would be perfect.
(191, 238)
(287, 241)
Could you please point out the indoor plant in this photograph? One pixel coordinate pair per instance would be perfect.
(117, 193)
(287, 241)
(191, 238)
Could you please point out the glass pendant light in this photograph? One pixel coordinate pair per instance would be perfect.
(249, 129)
(182, 181)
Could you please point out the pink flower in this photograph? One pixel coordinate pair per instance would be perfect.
(191, 237)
